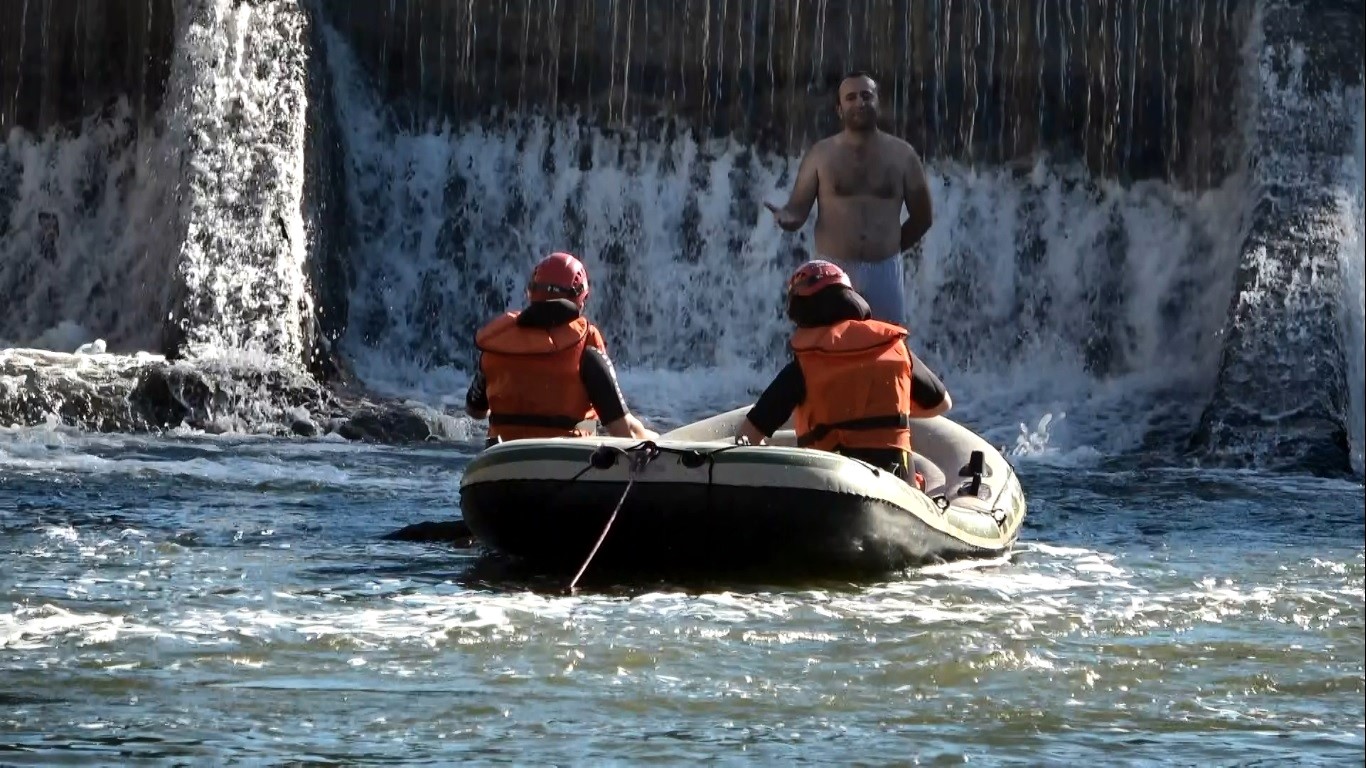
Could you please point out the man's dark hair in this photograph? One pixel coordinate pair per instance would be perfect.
(849, 76)
(828, 306)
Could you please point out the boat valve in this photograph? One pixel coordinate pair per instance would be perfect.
(693, 459)
(605, 457)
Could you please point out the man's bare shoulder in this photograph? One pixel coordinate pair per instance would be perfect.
(821, 147)
(899, 149)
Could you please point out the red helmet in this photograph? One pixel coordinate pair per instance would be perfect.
(814, 276)
(559, 276)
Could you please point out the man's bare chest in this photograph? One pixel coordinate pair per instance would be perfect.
(847, 173)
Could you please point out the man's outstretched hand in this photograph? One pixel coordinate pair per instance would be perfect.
(786, 219)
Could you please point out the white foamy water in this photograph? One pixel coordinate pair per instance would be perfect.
(1042, 297)
(238, 102)
(1034, 294)
(1049, 590)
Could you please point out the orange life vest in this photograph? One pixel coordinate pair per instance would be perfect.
(534, 389)
(858, 386)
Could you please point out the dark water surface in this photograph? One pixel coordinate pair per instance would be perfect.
(221, 601)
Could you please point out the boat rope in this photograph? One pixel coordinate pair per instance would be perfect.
(640, 456)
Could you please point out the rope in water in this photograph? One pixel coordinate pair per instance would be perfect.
(573, 585)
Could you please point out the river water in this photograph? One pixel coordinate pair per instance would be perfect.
(212, 600)
(219, 600)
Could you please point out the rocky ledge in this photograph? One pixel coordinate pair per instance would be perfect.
(148, 393)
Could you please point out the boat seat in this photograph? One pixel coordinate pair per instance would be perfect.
(935, 479)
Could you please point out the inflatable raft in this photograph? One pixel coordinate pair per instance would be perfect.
(693, 501)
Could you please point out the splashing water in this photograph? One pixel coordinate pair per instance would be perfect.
(239, 79)
(1279, 400)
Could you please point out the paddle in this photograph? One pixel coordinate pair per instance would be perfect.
(723, 427)
(454, 532)
(718, 427)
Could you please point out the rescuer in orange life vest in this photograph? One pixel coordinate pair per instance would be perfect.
(545, 369)
(854, 385)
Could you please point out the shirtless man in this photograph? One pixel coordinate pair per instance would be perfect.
(861, 177)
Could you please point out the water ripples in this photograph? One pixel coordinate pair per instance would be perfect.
(203, 597)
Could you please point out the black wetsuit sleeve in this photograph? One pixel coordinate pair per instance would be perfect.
(600, 379)
(926, 389)
(779, 400)
(477, 396)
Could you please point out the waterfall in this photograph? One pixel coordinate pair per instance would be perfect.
(1281, 397)
(1353, 255)
(238, 103)
(1129, 88)
(87, 176)
(1038, 290)
(193, 210)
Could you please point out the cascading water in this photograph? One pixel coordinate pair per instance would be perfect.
(179, 228)
(1353, 255)
(1128, 87)
(238, 82)
(1111, 256)
(1282, 384)
(87, 243)
(195, 208)
(63, 61)
(86, 175)
(1040, 290)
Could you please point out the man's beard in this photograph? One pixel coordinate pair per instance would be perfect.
(860, 120)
